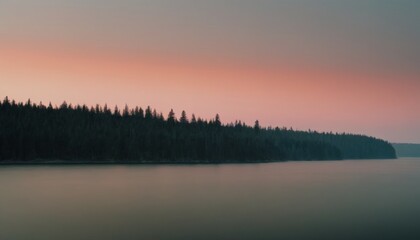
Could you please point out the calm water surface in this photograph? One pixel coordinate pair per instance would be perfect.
(369, 199)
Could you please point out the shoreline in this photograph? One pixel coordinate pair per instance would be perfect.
(145, 162)
(139, 162)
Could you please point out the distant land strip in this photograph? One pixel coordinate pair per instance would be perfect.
(35, 133)
(407, 149)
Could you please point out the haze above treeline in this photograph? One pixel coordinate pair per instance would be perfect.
(35, 132)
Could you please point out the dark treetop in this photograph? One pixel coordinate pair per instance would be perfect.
(77, 133)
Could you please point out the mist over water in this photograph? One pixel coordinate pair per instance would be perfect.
(362, 199)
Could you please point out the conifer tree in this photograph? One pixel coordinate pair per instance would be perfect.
(183, 119)
(171, 117)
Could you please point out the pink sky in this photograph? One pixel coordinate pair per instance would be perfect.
(297, 96)
(341, 66)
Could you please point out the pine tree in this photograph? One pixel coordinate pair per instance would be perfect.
(183, 119)
(171, 117)
(148, 114)
(116, 111)
(193, 119)
(126, 111)
(217, 121)
(257, 126)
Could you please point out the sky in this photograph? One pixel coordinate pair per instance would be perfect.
(326, 65)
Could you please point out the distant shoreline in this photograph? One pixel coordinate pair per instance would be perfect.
(146, 162)
(139, 162)
(407, 149)
(35, 134)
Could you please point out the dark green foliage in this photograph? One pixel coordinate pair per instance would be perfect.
(30, 132)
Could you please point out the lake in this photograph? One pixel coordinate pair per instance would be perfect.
(354, 199)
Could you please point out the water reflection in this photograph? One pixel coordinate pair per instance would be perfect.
(372, 199)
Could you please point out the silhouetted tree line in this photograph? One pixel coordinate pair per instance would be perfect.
(31, 131)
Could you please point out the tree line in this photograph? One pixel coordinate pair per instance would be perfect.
(30, 131)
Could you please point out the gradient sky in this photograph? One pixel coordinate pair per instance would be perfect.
(327, 65)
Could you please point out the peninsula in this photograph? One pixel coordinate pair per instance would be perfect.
(37, 133)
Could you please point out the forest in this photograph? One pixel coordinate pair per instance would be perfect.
(38, 132)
